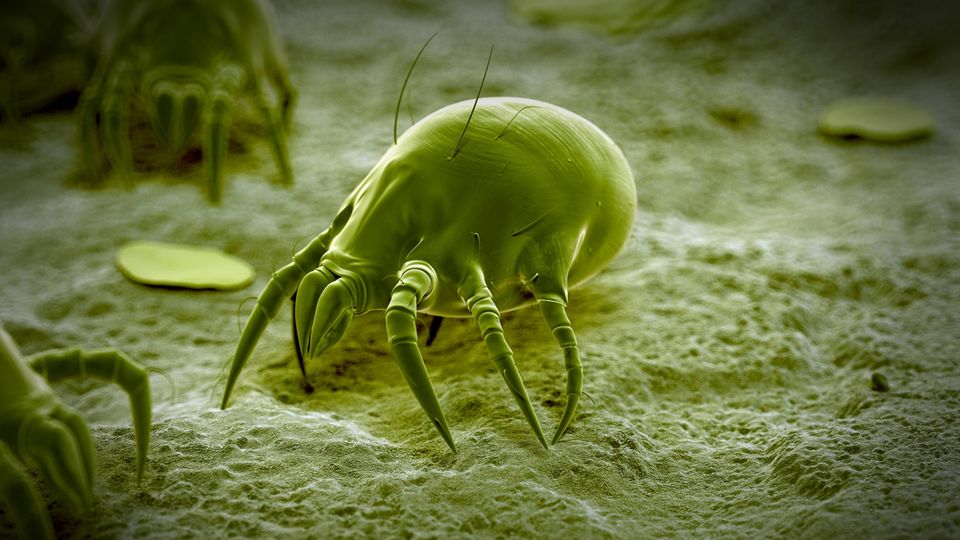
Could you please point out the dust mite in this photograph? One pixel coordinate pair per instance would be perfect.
(36, 427)
(192, 59)
(532, 200)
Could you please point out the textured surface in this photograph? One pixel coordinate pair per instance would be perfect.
(728, 352)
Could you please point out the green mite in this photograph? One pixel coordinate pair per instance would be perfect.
(530, 200)
(190, 61)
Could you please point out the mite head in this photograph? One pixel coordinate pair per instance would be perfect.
(177, 98)
(183, 100)
(324, 305)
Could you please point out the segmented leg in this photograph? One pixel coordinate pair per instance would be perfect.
(118, 91)
(286, 92)
(281, 286)
(278, 137)
(226, 85)
(479, 301)
(109, 365)
(416, 281)
(554, 312)
(19, 495)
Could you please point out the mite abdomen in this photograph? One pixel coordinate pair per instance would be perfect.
(540, 189)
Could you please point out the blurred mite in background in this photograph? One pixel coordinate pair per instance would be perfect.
(186, 66)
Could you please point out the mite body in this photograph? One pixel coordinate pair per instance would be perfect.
(524, 202)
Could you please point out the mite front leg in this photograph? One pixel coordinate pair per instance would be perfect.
(20, 496)
(479, 301)
(281, 286)
(417, 279)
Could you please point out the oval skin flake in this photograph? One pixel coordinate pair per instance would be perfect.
(179, 265)
(876, 119)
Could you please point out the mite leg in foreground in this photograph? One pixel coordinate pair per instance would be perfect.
(109, 365)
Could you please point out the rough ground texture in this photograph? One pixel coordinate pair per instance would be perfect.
(728, 351)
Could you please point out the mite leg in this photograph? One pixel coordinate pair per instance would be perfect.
(216, 125)
(277, 135)
(81, 433)
(305, 308)
(116, 129)
(416, 281)
(479, 301)
(281, 286)
(554, 311)
(286, 92)
(109, 365)
(20, 496)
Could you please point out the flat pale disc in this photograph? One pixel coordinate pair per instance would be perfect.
(178, 265)
(878, 119)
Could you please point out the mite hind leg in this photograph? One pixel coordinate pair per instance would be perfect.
(551, 297)
(478, 299)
